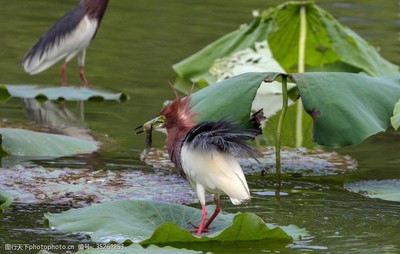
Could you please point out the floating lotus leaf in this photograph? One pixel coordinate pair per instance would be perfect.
(383, 189)
(153, 222)
(36, 144)
(395, 119)
(5, 199)
(69, 93)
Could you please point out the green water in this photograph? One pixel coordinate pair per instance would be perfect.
(133, 52)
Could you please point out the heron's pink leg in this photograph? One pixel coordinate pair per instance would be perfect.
(203, 220)
(83, 76)
(216, 212)
(203, 227)
(64, 81)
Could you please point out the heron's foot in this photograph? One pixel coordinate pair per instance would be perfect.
(196, 228)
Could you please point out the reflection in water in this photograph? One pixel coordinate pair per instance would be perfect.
(57, 118)
(54, 113)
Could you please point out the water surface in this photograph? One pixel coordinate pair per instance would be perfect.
(133, 52)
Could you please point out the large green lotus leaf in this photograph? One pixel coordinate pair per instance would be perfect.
(245, 227)
(383, 189)
(149, 222)
(69, 93)
(257, 59)
(329, 47)
(288, 138)
(5, 199)
(231, 98)
(395, 119)
(196, 67)
(347, 108)
(36, 144)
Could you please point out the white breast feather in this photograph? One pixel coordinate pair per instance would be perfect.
(216, 172)
(67, 48)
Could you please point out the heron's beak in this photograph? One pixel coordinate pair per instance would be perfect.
(154, 123)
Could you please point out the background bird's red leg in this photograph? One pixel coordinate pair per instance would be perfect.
(83, 76)
(216, 212)
(64, 81)
(203, 220)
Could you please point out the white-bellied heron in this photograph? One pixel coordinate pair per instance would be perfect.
(204, 153)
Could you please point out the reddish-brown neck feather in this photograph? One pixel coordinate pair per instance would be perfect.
(179, 120)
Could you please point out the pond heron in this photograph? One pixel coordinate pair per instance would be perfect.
(67, 38)
(204, 153)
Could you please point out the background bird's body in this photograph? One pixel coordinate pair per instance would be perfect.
(51, 48)
(67, 38)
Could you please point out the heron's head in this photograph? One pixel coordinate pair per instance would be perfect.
(175, 116)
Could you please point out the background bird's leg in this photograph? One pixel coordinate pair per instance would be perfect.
(81, 63)
(216, 212)
(83, 76)
(64, 81)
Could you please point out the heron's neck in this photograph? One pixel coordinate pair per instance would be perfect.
(175, 135)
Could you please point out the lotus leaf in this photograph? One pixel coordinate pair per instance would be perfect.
(346, 107)
(35, 144)
(395, 119)
(383, 189)
(5, 199)
(231, 98)
(154, 222)
(329, 47)
(69, 93)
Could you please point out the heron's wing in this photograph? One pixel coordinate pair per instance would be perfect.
(224, 136)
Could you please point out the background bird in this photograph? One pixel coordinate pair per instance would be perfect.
(204, 153)
(67, 38)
